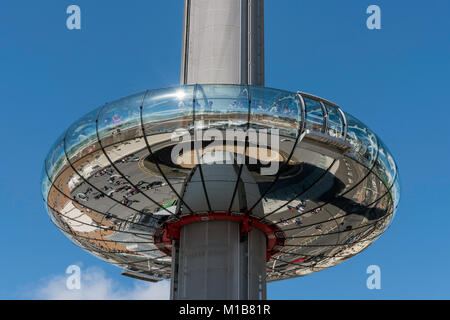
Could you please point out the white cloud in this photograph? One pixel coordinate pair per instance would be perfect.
(95, 285)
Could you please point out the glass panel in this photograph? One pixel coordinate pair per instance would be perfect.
(215, 91)
(370, 190)
(120, 131)
(94, 231)
(101, 199)
(335, 122)
(355, 173)
(348, 179)
(396, 192)
(138, 184)
(78, 222)
(166, 110)
(298, 187)
(107, 184)
(275, 109)
(45, 184)
(120, 120)
(381, 209)
(364, 226)
(59, 223)
(98, 186)
(221, 113)
(74, 215)
(314, 115)
(125, 149)
(347, 223)
(56, 160)
(359, 201)
(221, 107)
(169, 123)
(363, 141)
(275, 122)
(81, 137)
(391, 165)
(385, 165)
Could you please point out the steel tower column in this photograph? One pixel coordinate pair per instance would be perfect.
(223, 43)
(220, 259)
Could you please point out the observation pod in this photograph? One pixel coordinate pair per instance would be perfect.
(221, 187)
(113, 186)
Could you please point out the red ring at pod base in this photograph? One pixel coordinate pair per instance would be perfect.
(170, 231)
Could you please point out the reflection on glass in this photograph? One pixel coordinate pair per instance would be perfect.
(219, 91)
(390, 164)
(275, 109)
(120, 120)
(118, 195)
(45, 184)
(363, 141)
(335, 122)
(56, 159)
(168, 117)
(385, 165)
(396, 191)
(314, 115)
(221, 107)
(166, 110)
(81, 137)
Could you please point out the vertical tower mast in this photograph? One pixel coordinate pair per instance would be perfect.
(223, 42)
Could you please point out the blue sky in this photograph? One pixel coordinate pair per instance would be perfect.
(396, 80)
